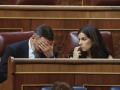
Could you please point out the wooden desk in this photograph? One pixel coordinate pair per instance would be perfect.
(28, 74)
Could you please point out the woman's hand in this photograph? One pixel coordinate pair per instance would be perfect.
(76, 52)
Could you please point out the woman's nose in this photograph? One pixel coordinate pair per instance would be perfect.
(80, 43)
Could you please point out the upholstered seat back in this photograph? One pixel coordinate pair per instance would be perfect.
(7, 38)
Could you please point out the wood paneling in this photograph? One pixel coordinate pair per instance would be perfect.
(58, 12)
(91, 2)
(108, 24)
(1, 2)
(78, 23)
(75, 72)
(102, 2)
(15, 23)
(41, 79)
(64, 2)
(116, 43)
(70, 24)
(69, 2)
(98, 80)
(60, 23)
(35, 2)
(11, 29)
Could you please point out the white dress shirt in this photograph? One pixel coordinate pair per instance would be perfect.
(31, 50)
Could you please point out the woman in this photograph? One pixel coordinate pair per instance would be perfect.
(91, 44)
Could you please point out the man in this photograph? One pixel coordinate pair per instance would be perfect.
(40, 45)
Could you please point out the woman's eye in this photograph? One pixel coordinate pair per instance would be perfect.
(83, 39)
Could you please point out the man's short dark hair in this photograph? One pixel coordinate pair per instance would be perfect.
(45, 31)
(61, 86)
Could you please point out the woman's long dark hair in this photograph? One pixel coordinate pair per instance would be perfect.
(99, 49)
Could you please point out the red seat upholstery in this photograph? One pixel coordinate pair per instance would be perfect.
(35, 2)
(107, 36)
(7, 38)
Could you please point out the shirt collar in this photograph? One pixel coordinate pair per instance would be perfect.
(31, 46)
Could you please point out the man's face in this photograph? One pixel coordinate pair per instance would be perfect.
(41, 43)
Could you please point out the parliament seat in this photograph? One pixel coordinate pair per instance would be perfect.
(7, 38)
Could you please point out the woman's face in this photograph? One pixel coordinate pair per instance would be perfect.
(84, 42)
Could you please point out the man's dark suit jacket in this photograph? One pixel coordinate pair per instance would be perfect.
(17, 50)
